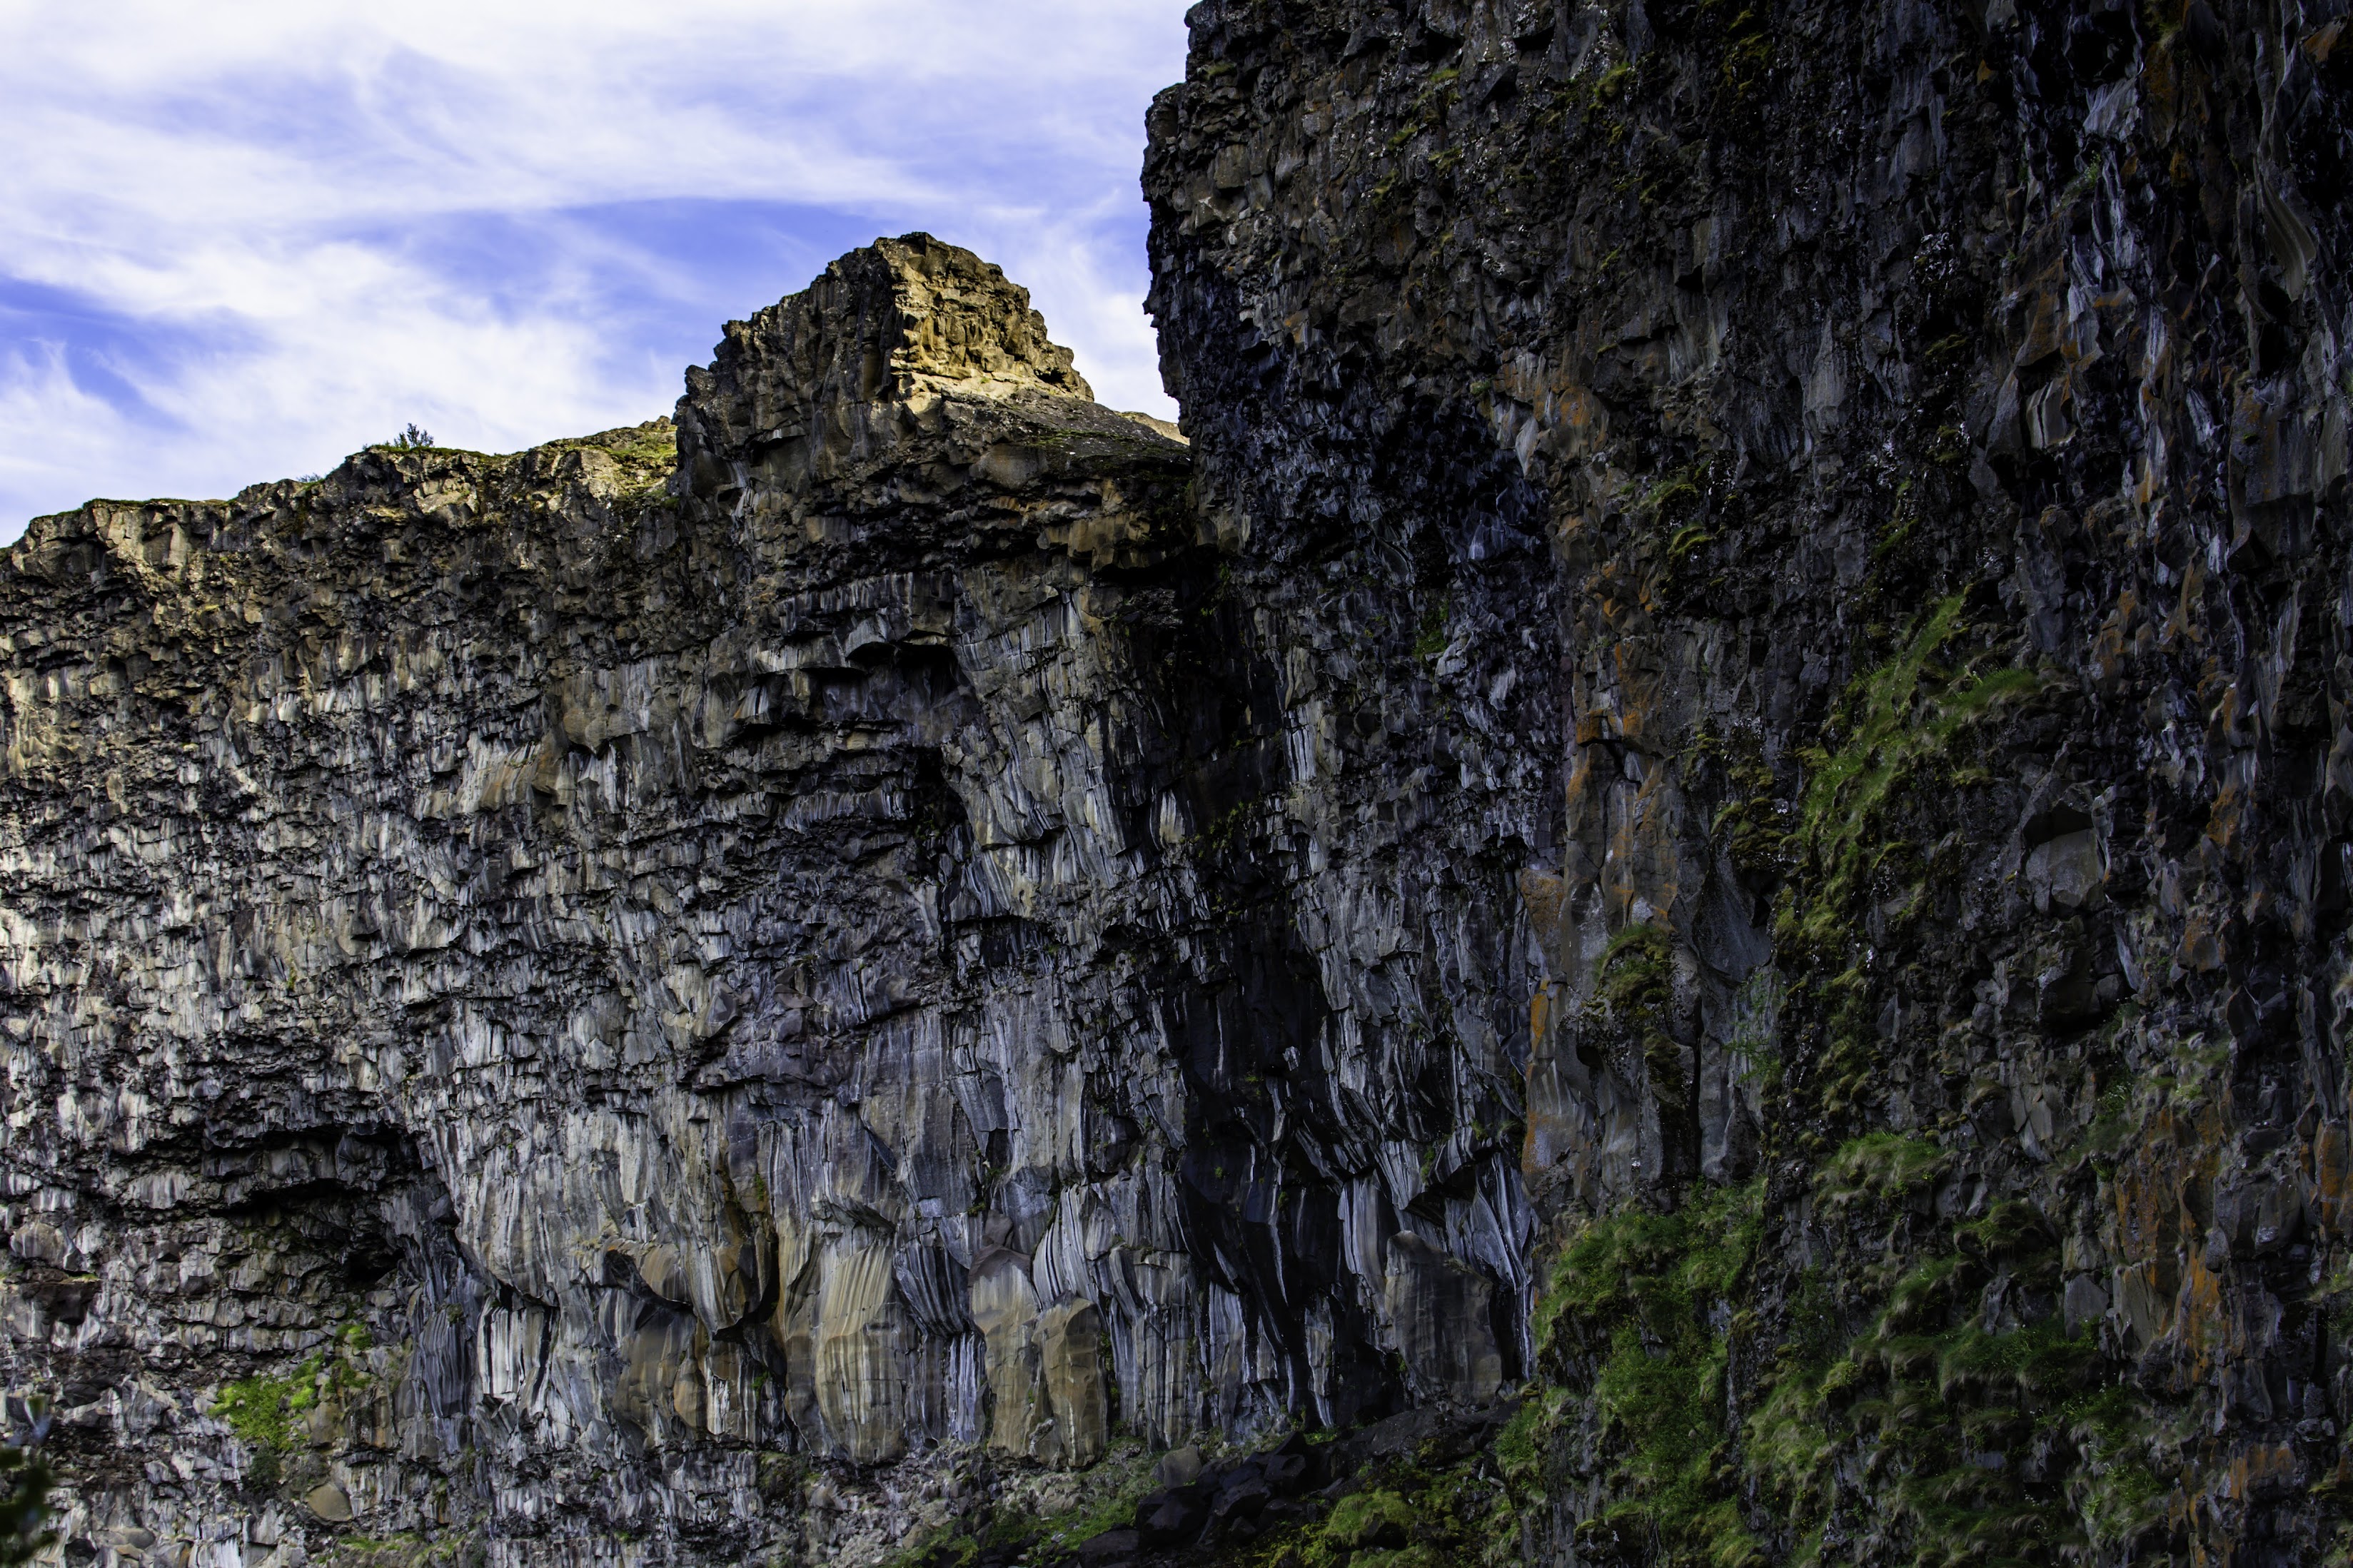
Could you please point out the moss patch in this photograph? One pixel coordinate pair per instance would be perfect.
(1650, 1303)
(406, 1549)
(1978, 1444)
(1892, 721)
(1409, 1513)
(265, 1411)
(262, 1411)
(1634, 989)
(1880, 1166)
(1113, 1488)
(1847, 849)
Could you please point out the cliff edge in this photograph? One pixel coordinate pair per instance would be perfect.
(1679, 895)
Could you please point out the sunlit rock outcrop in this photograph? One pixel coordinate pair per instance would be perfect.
(533, 981)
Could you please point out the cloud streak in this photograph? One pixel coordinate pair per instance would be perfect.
(244, 240)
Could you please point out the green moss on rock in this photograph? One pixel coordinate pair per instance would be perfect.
(1649, 1301)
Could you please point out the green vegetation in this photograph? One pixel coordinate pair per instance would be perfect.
(1896, 719)
(1635, 968)
(1113, 1490)
(1895, 537)
(2112, 1124)
(1430, 640)
(1890, 724)
(262, 1411)
(24, 1482)
(1880, 1166)
(1979, 1439)
(1362, 1521)
(1520, 1447)
(1754, 1044)
(1747, 59)
(1943, 1412)
(409, 1549)
(946, 1547)
(1651, 1301)
(655, 447)
(1673, 496)
(1688, 539)
(265, 1412)
(1673, 515)
(1753, 825)
(1415, 1512)
(1634, 981)
(1230, 830)
(1746, 36)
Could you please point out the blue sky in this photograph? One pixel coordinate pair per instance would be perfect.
(238, 241)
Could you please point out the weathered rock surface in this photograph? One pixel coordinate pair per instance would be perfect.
(1904, 446)
(547, 992)
(1712, 811)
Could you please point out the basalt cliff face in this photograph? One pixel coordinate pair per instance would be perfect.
(1914, 444)
(556, 998)
(1686, 877)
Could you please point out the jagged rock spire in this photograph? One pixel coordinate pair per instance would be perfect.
(840, 371)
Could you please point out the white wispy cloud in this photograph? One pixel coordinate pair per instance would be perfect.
(241, 240)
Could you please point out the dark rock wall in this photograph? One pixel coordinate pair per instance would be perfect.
(1708, 826)
(1866, 487)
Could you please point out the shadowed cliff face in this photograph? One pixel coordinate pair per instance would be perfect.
(620, 994)
(1710, 813)
(1910, 440)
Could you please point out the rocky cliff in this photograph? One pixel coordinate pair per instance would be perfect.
(1687, 876)
(1909, 440)
(589, 1003)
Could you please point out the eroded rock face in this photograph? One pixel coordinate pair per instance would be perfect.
(1736, 709)
(546, 994)
(1909, 440)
